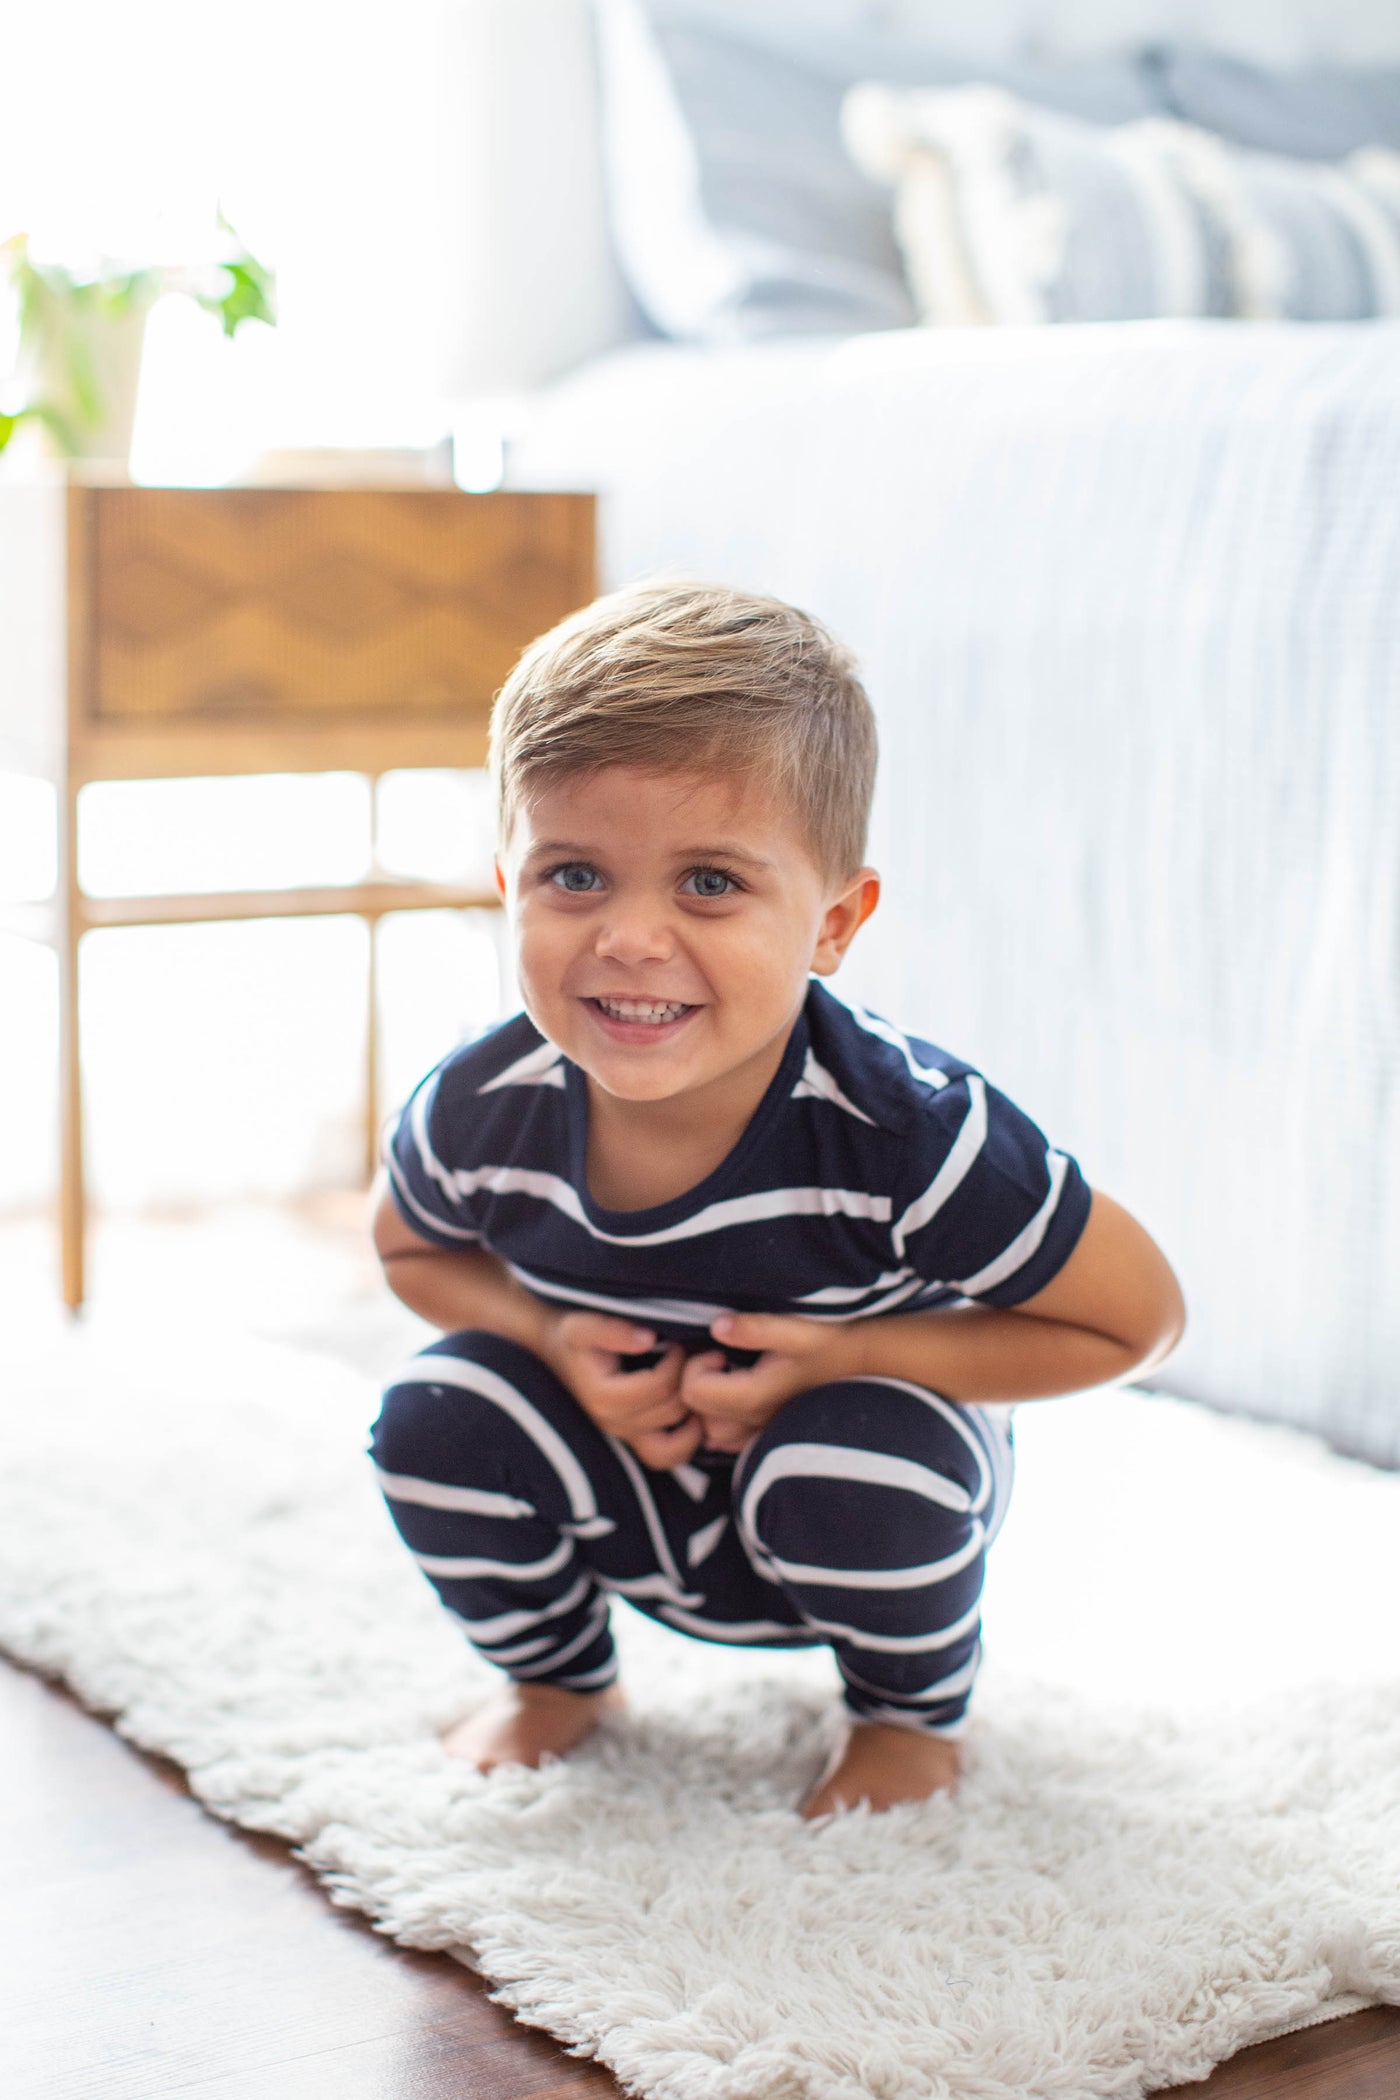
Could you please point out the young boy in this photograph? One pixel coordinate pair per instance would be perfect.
(736, 1284)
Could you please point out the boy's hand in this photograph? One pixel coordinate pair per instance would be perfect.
(643, 1408)
(734, 1405)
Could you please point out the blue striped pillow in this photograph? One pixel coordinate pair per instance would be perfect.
(1006, 212)
(736, 212)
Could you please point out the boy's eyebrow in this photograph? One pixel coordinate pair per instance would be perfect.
(719, 849)
(724, 849)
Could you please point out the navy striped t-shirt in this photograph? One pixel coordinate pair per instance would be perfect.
(877, 1174)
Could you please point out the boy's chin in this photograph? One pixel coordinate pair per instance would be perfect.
(623, 1085)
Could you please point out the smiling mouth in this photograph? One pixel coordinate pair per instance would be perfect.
(651, 1013)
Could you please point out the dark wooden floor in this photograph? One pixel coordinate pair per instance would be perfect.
(150, 1951)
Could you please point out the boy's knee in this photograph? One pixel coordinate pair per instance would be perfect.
(866, 1414)
(439, 1417)
(896, 1470)
(822, 1414)
(419, 1428)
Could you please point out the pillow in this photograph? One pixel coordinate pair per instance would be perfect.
(1009, 213)
(736, 212)
(1322, 113)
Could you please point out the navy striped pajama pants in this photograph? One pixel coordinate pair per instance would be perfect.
(860, 1518)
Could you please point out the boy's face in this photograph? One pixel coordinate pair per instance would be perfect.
(666, 923)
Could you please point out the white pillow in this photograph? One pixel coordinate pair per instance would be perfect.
(1009, 213)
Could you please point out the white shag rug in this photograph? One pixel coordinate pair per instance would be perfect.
(1178, 1830)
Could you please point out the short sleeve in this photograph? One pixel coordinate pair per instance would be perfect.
(989, 1209)
(433, 1198)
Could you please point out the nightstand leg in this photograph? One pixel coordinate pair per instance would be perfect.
(372, 1054)
(371, 1151)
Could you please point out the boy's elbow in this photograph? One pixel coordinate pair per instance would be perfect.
(393, 1241)
(1139, 1284)
(1176, 1325)
(1119, 1285)
(1160, 1334)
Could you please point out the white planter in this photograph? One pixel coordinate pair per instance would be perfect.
(87, 367)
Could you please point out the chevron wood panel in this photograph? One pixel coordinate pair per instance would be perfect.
(287, 608)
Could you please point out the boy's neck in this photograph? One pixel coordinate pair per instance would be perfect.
(641, 1153)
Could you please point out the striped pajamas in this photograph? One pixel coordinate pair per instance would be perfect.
(879, 1174)
(859, 1518)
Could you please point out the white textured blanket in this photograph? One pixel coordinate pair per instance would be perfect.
(1140, 1874)
(1127, 599)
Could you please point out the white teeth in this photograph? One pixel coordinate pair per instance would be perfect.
(642, 1009)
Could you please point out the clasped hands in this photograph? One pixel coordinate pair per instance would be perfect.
(667, 1410)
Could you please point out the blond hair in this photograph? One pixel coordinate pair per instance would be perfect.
(680, 676)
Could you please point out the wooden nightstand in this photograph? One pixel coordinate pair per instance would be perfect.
(151, 633)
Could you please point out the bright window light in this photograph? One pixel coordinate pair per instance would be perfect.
(438, 825)
(273, 831)
(224, 1061)
(440, 980)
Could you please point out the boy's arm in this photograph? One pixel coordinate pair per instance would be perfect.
(1115, 1309)
(452, 1287)
(457, 1287)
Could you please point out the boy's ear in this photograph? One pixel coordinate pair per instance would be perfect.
(500, 874)
(844, 917)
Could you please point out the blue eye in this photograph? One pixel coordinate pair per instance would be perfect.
(575, 876)
(711, 882)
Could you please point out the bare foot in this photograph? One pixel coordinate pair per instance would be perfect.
(881, 1765)
(520, 1723)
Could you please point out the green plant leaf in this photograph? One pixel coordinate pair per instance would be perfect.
(251, 295)
(248, 298)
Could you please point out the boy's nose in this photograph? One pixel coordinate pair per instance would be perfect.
(634, 936)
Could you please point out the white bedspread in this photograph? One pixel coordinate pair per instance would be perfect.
(1128, 602)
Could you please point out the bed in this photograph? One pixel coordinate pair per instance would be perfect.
(1127, 598)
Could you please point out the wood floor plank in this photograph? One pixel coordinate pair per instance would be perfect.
(148, 1950)
(429, 2065)
(1355, 2058)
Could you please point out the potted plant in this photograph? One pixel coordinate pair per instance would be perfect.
(80, 339)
